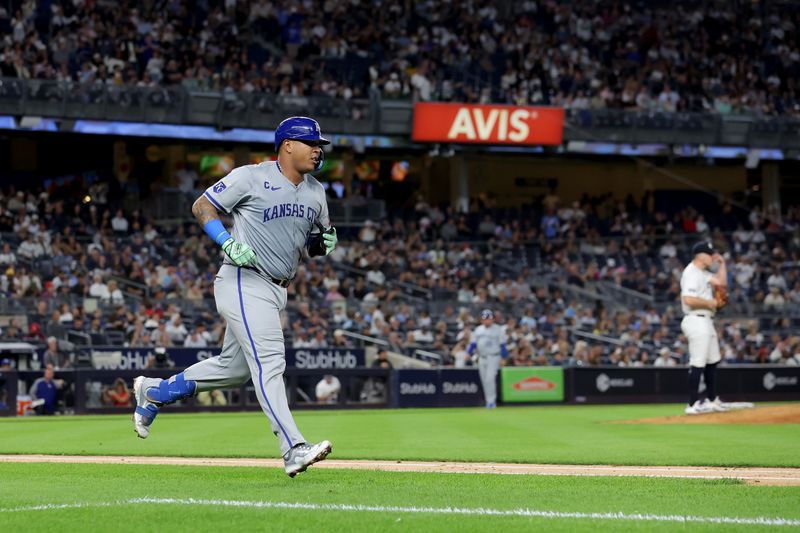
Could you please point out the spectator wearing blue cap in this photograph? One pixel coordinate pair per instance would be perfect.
(488, 345)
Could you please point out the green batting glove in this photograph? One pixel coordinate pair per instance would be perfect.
(329, 240)
(240, 253)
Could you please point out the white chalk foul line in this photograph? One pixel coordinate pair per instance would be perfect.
(480, 511)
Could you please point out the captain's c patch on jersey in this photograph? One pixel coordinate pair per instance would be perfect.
(219, 187)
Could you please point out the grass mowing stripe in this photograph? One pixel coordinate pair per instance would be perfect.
(532, 513)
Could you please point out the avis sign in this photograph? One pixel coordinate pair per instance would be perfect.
(532, 384)
(488, 124)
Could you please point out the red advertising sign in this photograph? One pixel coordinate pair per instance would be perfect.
(488, 124)
(534, 383)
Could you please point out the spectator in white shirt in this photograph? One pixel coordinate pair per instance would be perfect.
(327, 390)
(7, 257)
(376, 276)
(774, 300)
(119, 223)
(668, 250)
(664, 359)
(115, 295)
(176, 330)
(777, 280)
(30, 249)
(99, 289)
(199, 338)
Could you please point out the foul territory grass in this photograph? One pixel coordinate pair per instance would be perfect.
(109, 486)
(557, 434)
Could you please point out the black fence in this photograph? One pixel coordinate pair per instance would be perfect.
(669, 384)
(86, 391)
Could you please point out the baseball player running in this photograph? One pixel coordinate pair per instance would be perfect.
(489, 341)
(275, 205)
(699, 307)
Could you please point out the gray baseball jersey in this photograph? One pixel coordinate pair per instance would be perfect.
(275, 218)
(487, 344)
(271, 214)
(488, 340)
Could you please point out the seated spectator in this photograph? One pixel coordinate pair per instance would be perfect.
(118, 395)
(7, 257)
(99, 289)
(198, 338)
(212, 398)
(774, 301)
(115, 296)
(119, 223)
(327, 390)
(176, 330)
(382, 361)
(56, 357)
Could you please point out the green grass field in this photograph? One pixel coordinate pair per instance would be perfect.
(182, 498)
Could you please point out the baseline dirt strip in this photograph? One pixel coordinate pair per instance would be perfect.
(757, 476)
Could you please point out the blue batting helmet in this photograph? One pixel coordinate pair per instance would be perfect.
(487, 314)
(302, 129)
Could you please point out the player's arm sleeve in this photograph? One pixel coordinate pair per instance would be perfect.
(232, 190)
(471, 347)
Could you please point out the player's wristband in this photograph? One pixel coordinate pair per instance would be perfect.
(216, 231)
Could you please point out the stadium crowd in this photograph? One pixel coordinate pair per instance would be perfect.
(416, 282)
(583, 54)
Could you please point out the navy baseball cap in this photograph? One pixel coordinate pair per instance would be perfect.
(703, 247)
(487, 314)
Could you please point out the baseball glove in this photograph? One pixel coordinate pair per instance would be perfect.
(721, 296)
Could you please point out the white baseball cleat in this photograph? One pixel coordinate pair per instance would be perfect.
(717, 405)
(697, 408)
(146, 410)
(304, 455)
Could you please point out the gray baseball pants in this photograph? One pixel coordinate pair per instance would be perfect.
(253, 347)
(488, 367)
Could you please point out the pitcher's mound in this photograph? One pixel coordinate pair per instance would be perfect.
(781, 414)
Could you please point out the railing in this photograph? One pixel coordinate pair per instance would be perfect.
(408, 291)
(345, 212)
(256, 110)
(425, 355)
(629, 297)
(597, 338)
(177, 105)
(364, 338)
(418, 353)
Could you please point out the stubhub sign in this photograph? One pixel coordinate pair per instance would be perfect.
(124, 358)
(313, 358)
(437, 388)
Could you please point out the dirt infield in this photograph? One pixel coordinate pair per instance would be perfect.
(755, 476)
(781, 414)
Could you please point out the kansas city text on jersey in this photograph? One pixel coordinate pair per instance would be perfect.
(290, 210)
